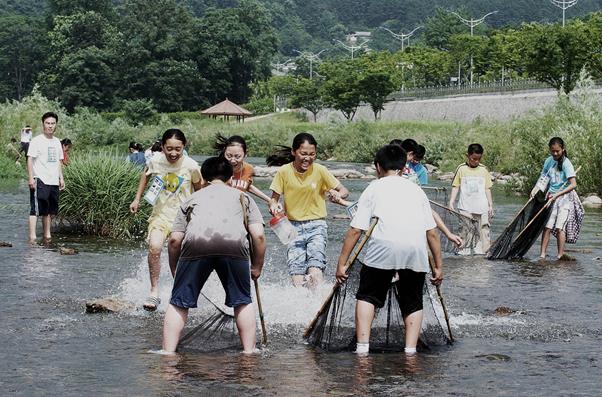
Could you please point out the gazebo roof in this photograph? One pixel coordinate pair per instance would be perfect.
(226, 108)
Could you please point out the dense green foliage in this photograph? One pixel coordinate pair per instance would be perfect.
(98, 191)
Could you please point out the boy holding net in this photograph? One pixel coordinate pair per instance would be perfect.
(473, 182)
(398, 244)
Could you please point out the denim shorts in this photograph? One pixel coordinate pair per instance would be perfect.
(191, 275)
(309, 248)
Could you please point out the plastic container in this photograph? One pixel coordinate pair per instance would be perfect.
(283, 228)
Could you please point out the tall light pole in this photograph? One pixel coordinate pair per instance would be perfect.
(402, 36)
(352, 48)
(311, 57)
(279, 66)
(472, 23)
(564, 5)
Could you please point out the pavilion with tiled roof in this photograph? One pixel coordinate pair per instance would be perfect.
(226, 109)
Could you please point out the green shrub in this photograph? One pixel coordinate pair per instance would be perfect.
(99, 188)
(259, 106)
(140, 112)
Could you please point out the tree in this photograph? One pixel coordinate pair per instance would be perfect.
(23, 46)
(307, 94)
(157, 61)
(81, 61)
(377, 80)
(555, 54)
(440, 27)
(341, 89)
(235, 48)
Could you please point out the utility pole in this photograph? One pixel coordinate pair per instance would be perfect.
(402, 36)
(352, 48)
(472, 23)
(279, 66)
(311, 57)
(564, 5)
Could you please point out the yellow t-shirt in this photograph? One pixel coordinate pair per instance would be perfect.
(472, 183)
(304, 192)
(177, 181)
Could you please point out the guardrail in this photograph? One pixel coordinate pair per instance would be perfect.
(467, 89)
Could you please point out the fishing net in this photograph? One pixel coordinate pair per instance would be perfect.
(457, 223)
(334, 329)
(523, 231)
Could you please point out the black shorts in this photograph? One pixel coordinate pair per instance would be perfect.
(24, 147)
(375, 283)
(44, 199)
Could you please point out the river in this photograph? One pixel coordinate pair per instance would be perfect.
(550, 345)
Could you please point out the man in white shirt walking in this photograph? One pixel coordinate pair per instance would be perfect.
(44, 167)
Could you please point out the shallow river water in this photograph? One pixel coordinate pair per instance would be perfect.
(50, 346)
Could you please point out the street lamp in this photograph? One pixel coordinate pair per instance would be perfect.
(311, 57)
(353, 48)
(402, 36)
(472, 23)
(564, 5)
(279, 66)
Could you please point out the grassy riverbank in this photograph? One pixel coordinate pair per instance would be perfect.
(516, 146)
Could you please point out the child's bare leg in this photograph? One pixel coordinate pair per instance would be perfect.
(155, 245)
(245, 322)
(560, 241)
(46, 227)
(545, 240)
(413, 323)
(364, 315)
(33, 222)
(175, 320)
(316, 277)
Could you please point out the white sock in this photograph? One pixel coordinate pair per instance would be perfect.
(410, 350)
(362, 348)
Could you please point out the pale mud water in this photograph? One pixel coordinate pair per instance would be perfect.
(550, 346)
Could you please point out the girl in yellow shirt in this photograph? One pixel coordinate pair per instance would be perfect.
(304, 185)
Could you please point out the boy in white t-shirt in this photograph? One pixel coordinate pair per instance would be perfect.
(473, 182)
(398, 244)
(44, 166)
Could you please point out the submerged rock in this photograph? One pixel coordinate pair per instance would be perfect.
(5, 244)
(67, 251)
(108, 305)
(447, 176)
(495, 357)
(503, 311)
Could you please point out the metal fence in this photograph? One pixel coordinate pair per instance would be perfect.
(468, 89)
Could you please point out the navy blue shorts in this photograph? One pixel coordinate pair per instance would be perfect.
(44, 199)
(191, 275)
(375, 283)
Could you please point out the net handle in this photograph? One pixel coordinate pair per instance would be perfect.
(451, 336)
(326, 305)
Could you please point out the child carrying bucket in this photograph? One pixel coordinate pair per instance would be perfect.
(304, 185)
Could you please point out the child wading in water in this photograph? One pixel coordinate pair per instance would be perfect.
(174, 177)
(304, 184)
(559, 176)
(234, 149)
(398, 244)
(473, 182)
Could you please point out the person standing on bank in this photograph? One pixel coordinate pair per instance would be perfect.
(44, 166)
(26, 136)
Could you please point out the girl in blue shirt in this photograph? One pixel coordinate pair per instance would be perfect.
(558, 174)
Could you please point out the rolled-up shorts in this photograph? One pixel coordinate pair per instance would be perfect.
(309, 248)
(44, 199)
(560, 213)
(375, 284)
(191, 275)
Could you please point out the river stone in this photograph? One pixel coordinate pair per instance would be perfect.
(447, 176)
(343, 173)
(264, 172)
(5, 244)
(67, 251)
(592, 201)
(108, 305)
(430, 168)
(503, 311)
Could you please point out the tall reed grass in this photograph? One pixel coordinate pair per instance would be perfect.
(99, 188)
